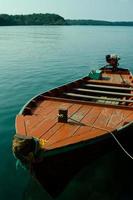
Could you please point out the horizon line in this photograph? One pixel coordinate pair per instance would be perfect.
(106, 20)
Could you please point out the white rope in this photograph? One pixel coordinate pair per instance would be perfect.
(120, 145)
(117, 141)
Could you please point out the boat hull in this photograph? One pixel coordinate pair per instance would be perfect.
(58, 169)
(61, 131)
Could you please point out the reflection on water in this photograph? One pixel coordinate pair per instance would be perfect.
(109, 177)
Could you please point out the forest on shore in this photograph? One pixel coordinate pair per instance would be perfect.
(53, 19)
(31, 19)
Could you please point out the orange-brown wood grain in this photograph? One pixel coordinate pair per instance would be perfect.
(68, 128)
(88, 118)
(20, 125)
(71, 111)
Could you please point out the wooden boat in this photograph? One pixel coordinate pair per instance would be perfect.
(61, 130)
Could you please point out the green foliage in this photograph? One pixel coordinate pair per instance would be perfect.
(98, 23)
(6, 20)
(33, 19)
(52, 19)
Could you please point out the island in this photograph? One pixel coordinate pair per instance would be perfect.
(54, 19)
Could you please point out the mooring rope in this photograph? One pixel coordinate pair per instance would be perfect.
(108, 131)
(120, 145)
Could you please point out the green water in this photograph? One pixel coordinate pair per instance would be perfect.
(35, 59)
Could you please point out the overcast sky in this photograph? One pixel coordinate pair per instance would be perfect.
(114, 10)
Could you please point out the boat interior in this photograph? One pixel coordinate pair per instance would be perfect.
(112, 88)
(92, 108)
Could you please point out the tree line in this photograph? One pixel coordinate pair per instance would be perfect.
(53, 19)
(32, 19)
(98, 23)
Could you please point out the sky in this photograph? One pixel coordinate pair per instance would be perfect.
(110, 10)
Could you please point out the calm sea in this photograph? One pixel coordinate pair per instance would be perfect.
(34, 59)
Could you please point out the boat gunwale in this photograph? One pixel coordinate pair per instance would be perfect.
(57, 150)
(49, 91)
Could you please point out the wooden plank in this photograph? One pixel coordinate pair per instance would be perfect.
(53, 108)
(87, 102)
(43, 105)
(109, 87)
(77, 138)
(118, 117)
(48, 121)
(101, 121)
(20, 125)
(69, 128)
(127, 78)
(71, 111)
(107, 102)
(86, 133)
(89, 119)
(106, 82)
(103, 92)
(116, 78)
(104, 117)
(127, 119)
(97, 98)
(43, 112)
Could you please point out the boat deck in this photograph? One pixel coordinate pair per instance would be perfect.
(95, 107)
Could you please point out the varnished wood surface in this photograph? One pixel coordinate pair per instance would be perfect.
(85, 121)
(48, 128)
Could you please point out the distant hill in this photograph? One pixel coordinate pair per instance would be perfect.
(52, 19)
(98, 23)
(32, 19)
